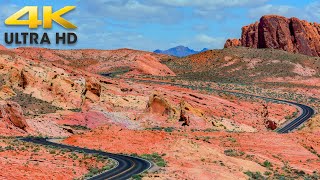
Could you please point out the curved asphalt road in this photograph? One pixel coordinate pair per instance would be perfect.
(306, 114)
(127, 166)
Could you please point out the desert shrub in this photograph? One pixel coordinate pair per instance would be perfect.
(232, 139)
(77, 127)
(137, 177)
(168, 129)
(233, 152)
(157, 128)
(267, 164)
(76, 110)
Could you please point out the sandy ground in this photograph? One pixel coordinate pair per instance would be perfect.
(191, 155)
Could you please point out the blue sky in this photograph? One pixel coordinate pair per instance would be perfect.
(161, 24)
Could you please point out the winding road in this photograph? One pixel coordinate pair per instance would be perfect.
(128, 166)
(306, 113)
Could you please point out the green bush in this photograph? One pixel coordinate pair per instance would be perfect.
(156, 158)
(267, 164)
(137, 177)
(254, 175)
(168, 129)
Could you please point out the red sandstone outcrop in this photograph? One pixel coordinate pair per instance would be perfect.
(159, 105)
(278, 32)
(12, 114)
(232, 43)
(271, 125)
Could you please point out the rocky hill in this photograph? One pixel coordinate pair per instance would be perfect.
(277, 32)
(108, 62)
(179, 51)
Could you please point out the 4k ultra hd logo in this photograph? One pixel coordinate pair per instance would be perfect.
(33, 22)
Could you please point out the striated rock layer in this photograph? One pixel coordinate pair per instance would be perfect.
(278, 32)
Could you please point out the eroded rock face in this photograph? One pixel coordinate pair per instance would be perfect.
(278, 32)
(159, 105)
(12, 114)
(49, 83)
(94, 86)
(250, 36)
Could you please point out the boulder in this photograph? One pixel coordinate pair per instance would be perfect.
(271, 125)
(232, 43)
(160, 105)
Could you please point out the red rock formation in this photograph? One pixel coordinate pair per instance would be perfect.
(278, 32)
(232, 43)
(11, 113)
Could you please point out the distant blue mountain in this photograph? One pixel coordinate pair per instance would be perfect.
(179, 51)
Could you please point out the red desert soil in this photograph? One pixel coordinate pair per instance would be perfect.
(20, 160)
(191, 155)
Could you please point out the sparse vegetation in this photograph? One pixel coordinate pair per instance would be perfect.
(76, 110)
(93, 162)
(255, 175)
(154, 157)
(33, 107)
(78, 127)
(96, 170)
(190, 69)
(114, 72)
(166, 129)
(293, 115)
(233, 152)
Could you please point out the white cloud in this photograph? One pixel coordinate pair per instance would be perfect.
(167, 11)
(313, 10)
(208, 4)
(271, 9)
(131, 10)
(201, 27)
(204, 40)
(310, 12)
